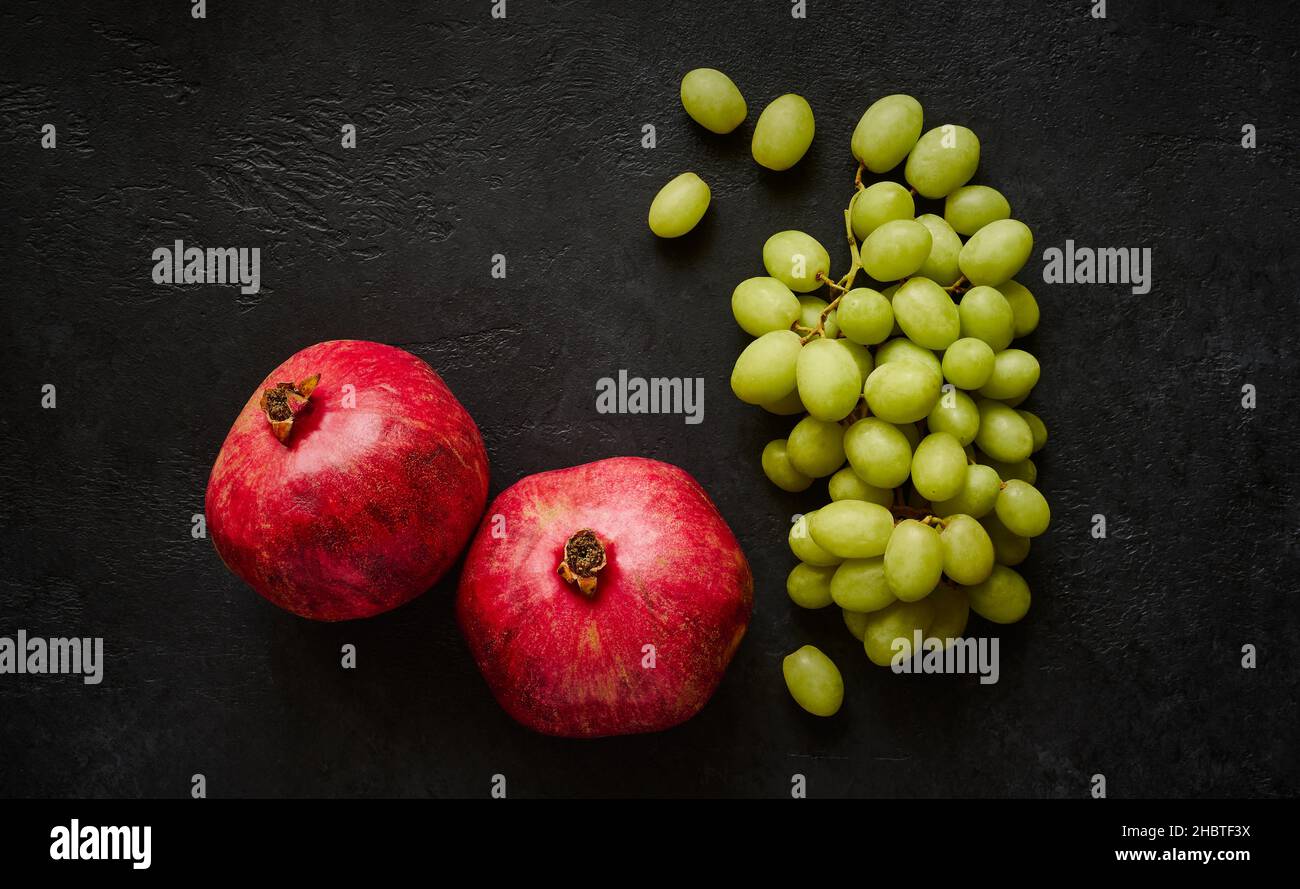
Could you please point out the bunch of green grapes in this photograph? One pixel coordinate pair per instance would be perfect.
(908, 390)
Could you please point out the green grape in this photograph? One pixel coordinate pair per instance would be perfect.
(967, 550)
(1024, 470)
(859, 585)
(848, 485)
(765, 371)
(878, 452)
(762, 305)
(809, 586)
(951, 612)
(1024, 308)
(971, 207)
(1015, 373)
(1023, 509)
(912, 432)
(986, 315)
(852, 529)
(712, 100)
(776, 466)
(913, 560)
(927, 314)
(941, 265)
(956, 414)
(787, 406)
(943, 160)
(886, 132)
(939, 467)
(968, 363)
(816, 447)
(903, 349)
(678, 206)
(1037, 427)
(783, 132)
(814, 681)
(1002, 599)
(877, 204)
(977, 496)
(810, 311)
(893, 623)
(861, 356)
(1003, 434)
(1014, 402)
(805, 549)
(996, 252)
(856, 621)
(1009, 549)
(902, 391)
(865, 316)
(796, 259)
(828, 379)
(895, 250)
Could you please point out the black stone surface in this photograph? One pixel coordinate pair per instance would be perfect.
(522, 136)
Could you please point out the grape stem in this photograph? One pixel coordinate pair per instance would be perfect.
(958, 286)
(857, 177)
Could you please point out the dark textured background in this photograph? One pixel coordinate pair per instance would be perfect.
(522, 137)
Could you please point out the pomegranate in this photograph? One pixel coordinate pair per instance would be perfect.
(604, 599)
(349, 483)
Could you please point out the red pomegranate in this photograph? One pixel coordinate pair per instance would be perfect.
(349, 483)
(605, 599)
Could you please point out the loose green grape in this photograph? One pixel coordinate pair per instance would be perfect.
(848, 485)
(968, 363)
(762, 305)
(712, 100)
(816, 447)
(788, 406)
(939, 467)
(996, 252)
(943, 160)
(1024, 470)
(852, 529)
(809, 586)
(859, 585)
(951, 613)
(810, 311)
(783, 132)
(861, 356)
(903, 349)
(1002, 599)
(913, 560)
(856, 621)
(971, 207)
(1003, 434)
(765, 371)
(895, 250)
(927, 314)
(886, 132)
(1024, 307)
(902, 391)
(1015, 372)
(956, 414)
(986, 315)
(865, 316)
(777, 467)
(977, 496)
(967, 550)
(805, 549)
(890, 632)
(1037, 427)
(814, 681)
(1023, 509)
(877, 204)
(796, 259)
(941, 265)
(828, 379)
(1008, 548)
(678, 206)
(878, 452)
